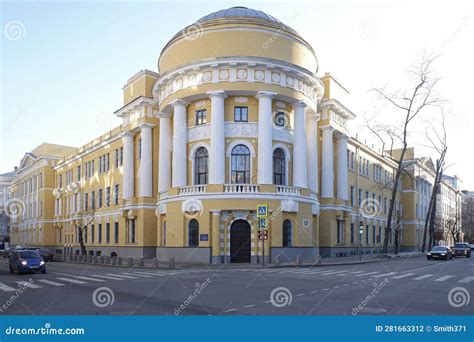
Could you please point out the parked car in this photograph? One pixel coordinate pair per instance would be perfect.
(462, 249)
(472, 246)
(46, 254)
(26, 261)
(9, 251)
(439, 252)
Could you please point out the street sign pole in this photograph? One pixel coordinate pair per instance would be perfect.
(262, 214)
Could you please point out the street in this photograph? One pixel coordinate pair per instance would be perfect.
(405, 286)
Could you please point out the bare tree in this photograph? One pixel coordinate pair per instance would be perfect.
(452, 225)
(467, 216)
(408, 103)
(87, 218)
(439, 143)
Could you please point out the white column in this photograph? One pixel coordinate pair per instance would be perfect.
(146, 161)
(164, 155)
(342, 181)
(180, 135)
(217, 148)
(327, 163)
(128, 166)
(300, 178)
(265, 150)
(312, 131)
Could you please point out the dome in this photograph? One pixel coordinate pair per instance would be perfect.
(239, 11)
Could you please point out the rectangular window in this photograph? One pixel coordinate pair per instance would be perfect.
(116, 158)
(241, 114)
(99, 198)
(201, 117)
(86, 201)
(379, 238)
(140, 148)
(99, 233)
(84, 233)
(367, 195)
(92, 233)
(352, 233)
(107, 232)
(340, 231)
(367, 232)
(116, 232)
(360, 197)
(78, 173)
(352, 196)
(373, 235)
(93, 200)
(107, 196)
(116, 194)
(60, 181)
(121, 156)
(40, 180)
(100, 164)
(108, 161)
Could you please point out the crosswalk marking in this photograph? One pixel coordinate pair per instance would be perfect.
(318, 271)
(467, 280)
(90, 279)
(342, 275)
(330, 273)
(121, 275)
(403, 275)
(384, 275)
(106, 277)
(152, 274)
(50, 282)
(28, 284)
(6, 288)
(138, 275)
(424, 276)
(444, 278)
(369, 273)
(74, 281)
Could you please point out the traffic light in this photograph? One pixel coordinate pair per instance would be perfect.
(361, 227)
(263, 234)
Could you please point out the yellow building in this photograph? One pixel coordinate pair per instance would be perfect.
(235, 118)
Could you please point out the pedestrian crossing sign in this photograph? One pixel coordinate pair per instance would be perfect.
(262, 210)
(262, 223)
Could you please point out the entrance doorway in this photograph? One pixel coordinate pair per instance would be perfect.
(240, 242)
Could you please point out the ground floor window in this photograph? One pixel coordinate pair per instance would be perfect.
(340, 231)
(352, 233)
(116, 232)
(130, 231)
(193, 233)
(287, 234)
(99, 233)
(107, 232)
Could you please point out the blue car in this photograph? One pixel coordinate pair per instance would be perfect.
(23, 261)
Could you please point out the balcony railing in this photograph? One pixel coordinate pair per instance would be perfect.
(288, 190)
(192, 190)
(241, 188)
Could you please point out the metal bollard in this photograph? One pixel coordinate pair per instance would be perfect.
(277, 260)
(120, 261)
(299, 260)
(107, 260)
(172, 264)
(155, 263)
(130, 262)
(140, 262)
(318, 260)
(114, 261)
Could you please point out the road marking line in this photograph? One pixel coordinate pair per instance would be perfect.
(138, 275)
(330, 273)
(319, 271)
(403, 275)
(364, 274)
(293, 271)
(152, 274)
(49, 282)
(384, 275)
(6, 288)
(28, 284)
(355, 283)
(423, 277)
(315, 291)
(346, 284)
(122, 276)
(444, 278)
(87, 278)
(466, 280)
(337, 286)
(74, 281)
(230, 310)
(300, 294)
(249, 306)
(327, 288)
(268, 301)
(107, 277)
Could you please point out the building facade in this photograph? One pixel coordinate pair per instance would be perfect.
(236, 117)
(6, 206)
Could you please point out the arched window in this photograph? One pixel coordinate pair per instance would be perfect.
(287, 233)
(193, 233)
(279, 167)
(200, 166)
(240, 164)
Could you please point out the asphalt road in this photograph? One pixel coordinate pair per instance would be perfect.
(410, 286)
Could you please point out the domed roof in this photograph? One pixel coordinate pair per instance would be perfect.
(239, 11)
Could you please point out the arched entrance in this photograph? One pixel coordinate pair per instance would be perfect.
(240, 242)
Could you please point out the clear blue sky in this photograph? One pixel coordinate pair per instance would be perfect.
(62, 79)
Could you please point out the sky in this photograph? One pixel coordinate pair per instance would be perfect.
(64, 63)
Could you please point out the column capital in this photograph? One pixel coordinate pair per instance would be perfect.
(263, 94)
(342, 136)
(313, 116)
(327, 128)
(146, 125)
(126, 134)
(179, 102)
(163, 115)
(300, 104)
(215, 212)
(217, 93)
